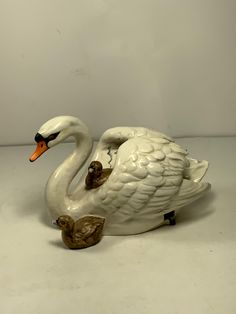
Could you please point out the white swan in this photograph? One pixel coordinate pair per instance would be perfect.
(151, 176)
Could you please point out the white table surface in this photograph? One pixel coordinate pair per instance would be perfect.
(187, 268)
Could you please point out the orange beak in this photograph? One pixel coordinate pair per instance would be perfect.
(40, 149)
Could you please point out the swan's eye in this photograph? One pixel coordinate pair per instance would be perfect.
(52, 136)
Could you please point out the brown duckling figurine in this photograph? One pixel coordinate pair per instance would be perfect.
(84, 232)
(96, 175)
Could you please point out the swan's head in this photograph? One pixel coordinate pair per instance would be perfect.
(55, 131)
(65, 222)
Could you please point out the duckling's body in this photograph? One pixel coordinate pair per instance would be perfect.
(96, 175)
(84, 232)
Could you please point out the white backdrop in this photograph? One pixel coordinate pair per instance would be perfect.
(169, 65)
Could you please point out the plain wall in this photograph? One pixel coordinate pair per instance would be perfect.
(165, 64)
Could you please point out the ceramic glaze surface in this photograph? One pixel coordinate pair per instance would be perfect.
(151, 176)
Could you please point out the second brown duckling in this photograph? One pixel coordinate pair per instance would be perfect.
(84, 232)
(96, 175)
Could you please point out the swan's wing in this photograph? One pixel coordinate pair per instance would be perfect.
(147, 174)
(122, 134)
(113, 138)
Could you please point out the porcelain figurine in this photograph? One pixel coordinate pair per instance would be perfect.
(84, 232)
(96, 175)
(151, 176)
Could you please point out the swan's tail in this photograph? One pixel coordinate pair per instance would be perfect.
(189, 192)
(196, 170)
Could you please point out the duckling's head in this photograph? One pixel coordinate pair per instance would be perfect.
(65, 222)
(95, 168)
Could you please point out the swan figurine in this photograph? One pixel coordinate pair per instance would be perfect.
(151, 176)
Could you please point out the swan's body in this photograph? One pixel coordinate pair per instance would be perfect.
(151, 176)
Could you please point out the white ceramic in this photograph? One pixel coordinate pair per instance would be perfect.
(151, 176)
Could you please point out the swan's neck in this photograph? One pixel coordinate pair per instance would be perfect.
(57, 197)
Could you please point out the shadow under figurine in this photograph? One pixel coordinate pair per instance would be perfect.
(84, 232)
(96, 175)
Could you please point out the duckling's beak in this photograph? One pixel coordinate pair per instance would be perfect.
(40, 149)
(55, 223)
